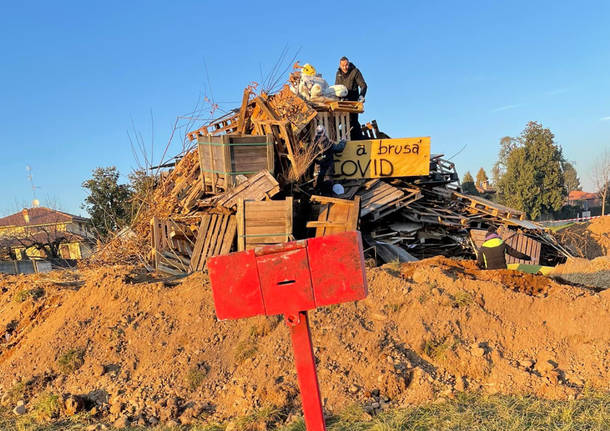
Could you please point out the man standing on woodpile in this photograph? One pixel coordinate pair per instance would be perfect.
(350, 76)
(491, 253)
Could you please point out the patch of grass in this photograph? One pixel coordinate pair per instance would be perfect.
(461, 299)
(16, 392)
(468, 411)
(437, 348)
(259, 419)
(394, 308)
(23, 294)
(196, 376)
(245, 349)
(210, 427)
(347, 418)
(556, 229)
(298, 425)
(47, 407)
(70, 361)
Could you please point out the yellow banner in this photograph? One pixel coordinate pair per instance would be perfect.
(383, 158)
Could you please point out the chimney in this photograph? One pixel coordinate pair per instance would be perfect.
(26, 216)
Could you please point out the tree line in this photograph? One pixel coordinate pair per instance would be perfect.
(532, 175)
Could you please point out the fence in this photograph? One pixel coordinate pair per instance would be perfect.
(24, 266)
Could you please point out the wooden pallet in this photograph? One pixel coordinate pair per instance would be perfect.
(215, 237)
(263, 223)
(336, 215)
(228, 123)
(475, 204)
(379, 199)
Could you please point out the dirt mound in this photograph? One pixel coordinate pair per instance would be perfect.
(587, 240)
(152, 350)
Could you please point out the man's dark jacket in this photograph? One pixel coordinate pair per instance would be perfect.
(352, 80)
(491, 253)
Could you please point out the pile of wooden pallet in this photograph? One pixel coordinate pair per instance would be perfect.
(249, 182)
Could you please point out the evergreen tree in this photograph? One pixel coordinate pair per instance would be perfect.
(481, 177)
(468, 184)
(108, 202)
(570, 177)
(534, 181)
(507, 145)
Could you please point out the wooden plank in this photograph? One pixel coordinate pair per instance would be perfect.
(241, 242)
(227, 163)
(241, 119)
(229, 236)
(208, 239)
(221, 234)
(201, 235)
(265, 108)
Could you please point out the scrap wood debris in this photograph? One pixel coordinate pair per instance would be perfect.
(264, 151)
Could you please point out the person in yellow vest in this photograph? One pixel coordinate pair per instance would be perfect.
(491, 255)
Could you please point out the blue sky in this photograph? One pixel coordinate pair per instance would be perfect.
(76, 77)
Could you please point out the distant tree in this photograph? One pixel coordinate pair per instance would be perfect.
(468, 184)
(142, 184)
(507, 145)
(601, 178)
(533, 181)
(108, 203)
(481, 177)
(570, 177)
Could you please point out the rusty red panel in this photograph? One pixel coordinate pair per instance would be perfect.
(285, 281)
(235, 285)
(337, 268)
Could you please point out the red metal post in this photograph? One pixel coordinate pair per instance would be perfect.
(305, 362)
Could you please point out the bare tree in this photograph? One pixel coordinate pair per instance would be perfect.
(601, 177)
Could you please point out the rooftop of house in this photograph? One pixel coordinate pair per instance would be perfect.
(38, 216)
(578, 195)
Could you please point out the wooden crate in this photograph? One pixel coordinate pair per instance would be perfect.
(336, 215)
(215, 237)
(172, 245)
(516, 240)
(222, 158)
(263, 223)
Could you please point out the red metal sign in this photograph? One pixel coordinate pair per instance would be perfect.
(287, 278)
(290, 279)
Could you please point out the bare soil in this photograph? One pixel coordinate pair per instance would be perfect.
(153, 350)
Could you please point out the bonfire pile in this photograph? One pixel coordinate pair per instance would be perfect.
(249, 181)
